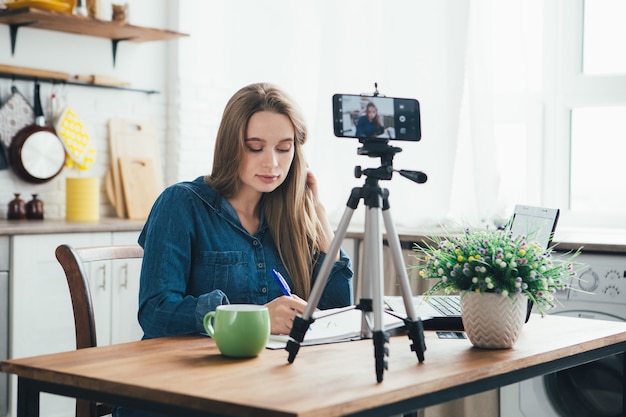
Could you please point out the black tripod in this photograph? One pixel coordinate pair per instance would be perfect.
(371, 301)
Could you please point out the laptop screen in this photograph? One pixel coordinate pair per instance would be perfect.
(538, 223)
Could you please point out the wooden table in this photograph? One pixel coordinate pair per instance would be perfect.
(187, 375)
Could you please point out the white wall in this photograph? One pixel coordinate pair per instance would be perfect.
(314, 49)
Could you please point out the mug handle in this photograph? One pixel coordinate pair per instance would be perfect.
(208, 324)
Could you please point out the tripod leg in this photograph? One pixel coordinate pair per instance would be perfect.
(373, 282)
(381, 338)
(301, 324)
(370, 269)
(413, 323)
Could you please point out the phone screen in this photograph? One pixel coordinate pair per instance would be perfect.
(360, 116)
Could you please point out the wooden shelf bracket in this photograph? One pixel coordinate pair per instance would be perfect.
(114, 43)
(13, 33)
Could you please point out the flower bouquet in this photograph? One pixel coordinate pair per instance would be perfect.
(496, 261)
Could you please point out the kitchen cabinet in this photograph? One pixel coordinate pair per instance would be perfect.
(4, 322)
(41, 318)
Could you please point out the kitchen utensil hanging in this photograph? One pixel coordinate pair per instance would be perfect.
(36, 153)
(15, 114)
(76, 139)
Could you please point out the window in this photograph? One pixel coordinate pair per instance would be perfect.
(586, 111)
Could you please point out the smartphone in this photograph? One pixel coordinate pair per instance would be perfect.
(362, 116)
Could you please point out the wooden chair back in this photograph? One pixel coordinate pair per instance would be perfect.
(73, 261)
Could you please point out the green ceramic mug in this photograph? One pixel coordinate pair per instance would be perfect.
(239, 330)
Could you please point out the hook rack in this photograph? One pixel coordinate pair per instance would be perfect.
(48, 80)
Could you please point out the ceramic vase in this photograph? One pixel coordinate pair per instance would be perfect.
(17, 208)
(34, 209)
(491, 320)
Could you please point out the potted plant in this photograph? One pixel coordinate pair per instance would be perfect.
(496, 273)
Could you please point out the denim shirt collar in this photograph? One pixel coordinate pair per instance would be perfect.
(220, 205)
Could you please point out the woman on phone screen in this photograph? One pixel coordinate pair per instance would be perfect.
(369, 125)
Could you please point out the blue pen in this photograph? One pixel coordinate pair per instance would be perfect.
(282, 283)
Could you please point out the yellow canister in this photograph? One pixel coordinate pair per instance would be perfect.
(82, 199)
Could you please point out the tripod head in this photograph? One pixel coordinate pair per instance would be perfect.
(380, 148)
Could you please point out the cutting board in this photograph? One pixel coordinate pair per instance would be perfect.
(132, 139)
(140, 189)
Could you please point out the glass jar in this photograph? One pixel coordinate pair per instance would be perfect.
(17, 208)
(34, 209)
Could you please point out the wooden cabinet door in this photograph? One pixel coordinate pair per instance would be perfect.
(41, 310)
(101, 287)
(41, 318)
(125, 293)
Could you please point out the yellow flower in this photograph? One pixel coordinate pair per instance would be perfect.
(522, 252)
(471, 259)
(460, 258)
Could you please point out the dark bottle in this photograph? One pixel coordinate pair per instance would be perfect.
(34, 209)
(17, 208)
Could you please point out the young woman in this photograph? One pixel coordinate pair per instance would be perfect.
(215, 240)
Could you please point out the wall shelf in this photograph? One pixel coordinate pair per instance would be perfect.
(81, 25)
(53, 80)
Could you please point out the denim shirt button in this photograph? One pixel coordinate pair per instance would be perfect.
(260, 265)
(264, 290)
(255, 242)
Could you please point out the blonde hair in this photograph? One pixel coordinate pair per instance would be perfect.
(289, 209)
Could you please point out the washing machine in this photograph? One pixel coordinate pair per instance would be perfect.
(590, 390)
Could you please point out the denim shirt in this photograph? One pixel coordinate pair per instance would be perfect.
(197, 256)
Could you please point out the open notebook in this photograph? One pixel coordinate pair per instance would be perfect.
(334, 325)
(443, 312)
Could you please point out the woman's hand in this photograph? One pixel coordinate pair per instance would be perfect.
(282, 312)
(311, 183)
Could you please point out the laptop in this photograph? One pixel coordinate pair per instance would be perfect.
(443, 312)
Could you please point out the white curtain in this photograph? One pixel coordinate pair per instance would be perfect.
(316, 48)
(499, 156)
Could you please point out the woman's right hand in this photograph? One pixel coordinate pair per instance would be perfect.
(282, 311)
